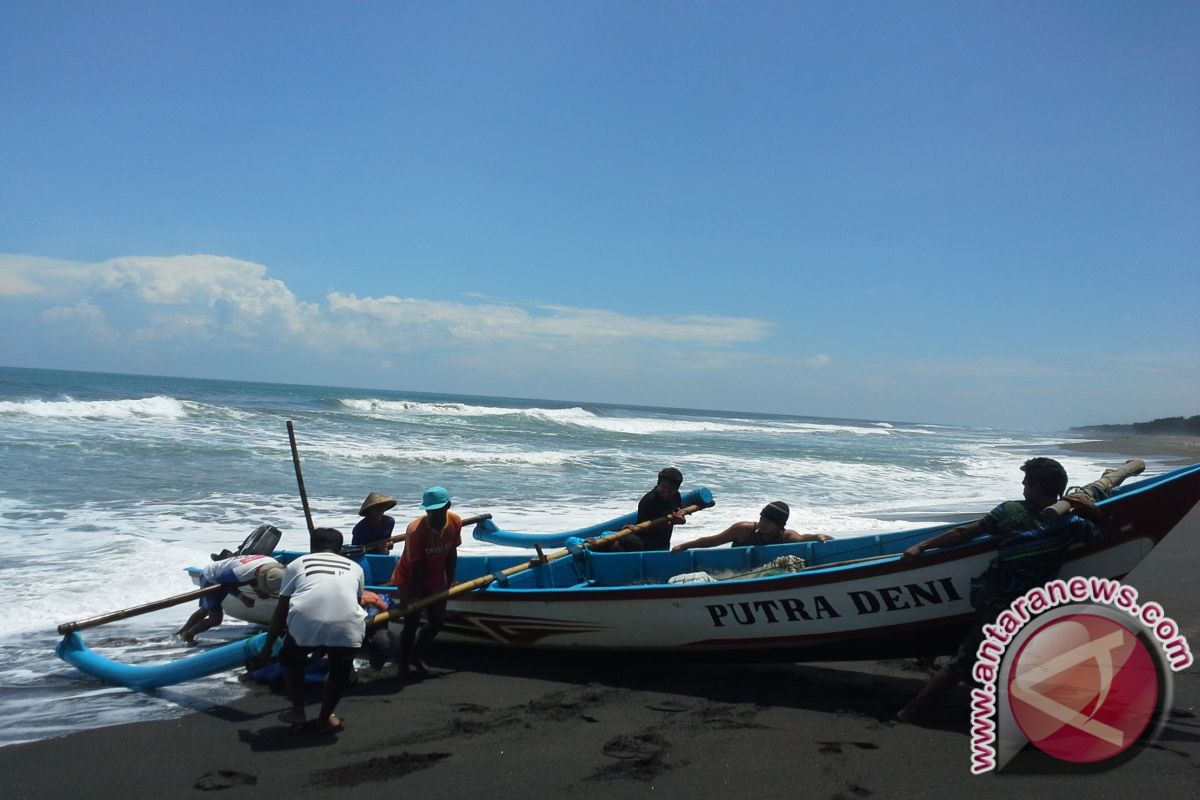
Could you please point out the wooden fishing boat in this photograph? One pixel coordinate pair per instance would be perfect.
(854, 598)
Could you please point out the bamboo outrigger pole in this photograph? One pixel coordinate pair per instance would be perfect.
(400, 537)
(145, 608)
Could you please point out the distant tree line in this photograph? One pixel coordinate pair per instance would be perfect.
(1189, 426)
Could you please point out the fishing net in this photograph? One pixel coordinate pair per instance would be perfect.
(778, 566)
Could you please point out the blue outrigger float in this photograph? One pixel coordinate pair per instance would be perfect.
(850, 598)
(153, 676)
(490, 532)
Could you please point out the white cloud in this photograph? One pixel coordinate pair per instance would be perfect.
(209, 296)
(179, 280)
(82, 318)
(239, 289)
(15, 284)
(215, 300)
(547, 324)
(35, 275)
(82, 312)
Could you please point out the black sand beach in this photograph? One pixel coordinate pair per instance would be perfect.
(1185, 449)
(505, 725)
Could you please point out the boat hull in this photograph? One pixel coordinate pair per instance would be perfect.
(873, 608)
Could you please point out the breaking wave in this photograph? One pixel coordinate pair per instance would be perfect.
(157, 407)
(579, 417)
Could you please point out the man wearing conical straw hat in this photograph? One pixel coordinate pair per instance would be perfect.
(375, 527)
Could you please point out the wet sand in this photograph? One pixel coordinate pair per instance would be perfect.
(1183, 449)
(504, 725)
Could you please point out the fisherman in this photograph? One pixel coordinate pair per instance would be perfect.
(1029, 555)
(426, 567)
(660, 505)
(375, 528)
(231, 572)
(770, 529)
(319, 608)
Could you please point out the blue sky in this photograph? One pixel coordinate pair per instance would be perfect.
(981, 213)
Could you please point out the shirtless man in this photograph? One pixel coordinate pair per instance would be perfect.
(770, 529)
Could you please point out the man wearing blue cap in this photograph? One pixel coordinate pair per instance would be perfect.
(426, 567)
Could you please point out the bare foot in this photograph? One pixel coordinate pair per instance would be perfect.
(330, 724)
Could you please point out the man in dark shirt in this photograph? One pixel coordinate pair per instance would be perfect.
(662, 501)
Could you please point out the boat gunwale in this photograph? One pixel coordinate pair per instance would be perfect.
(870, 566)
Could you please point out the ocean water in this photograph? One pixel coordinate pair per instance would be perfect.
(110, 485)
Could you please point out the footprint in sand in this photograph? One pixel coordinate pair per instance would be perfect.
(385, 768)
(224, 779)
(669, 706)
(835, 748)
(470, 708)
(641, 746)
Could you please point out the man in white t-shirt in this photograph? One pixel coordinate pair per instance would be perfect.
(319, 606)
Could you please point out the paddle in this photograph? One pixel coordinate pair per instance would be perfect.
(475, 520)
(484, 580)
(355, 549)
(300, 479)
(133, 611)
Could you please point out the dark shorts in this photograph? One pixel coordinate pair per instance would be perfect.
(341, 660)
(212, 602)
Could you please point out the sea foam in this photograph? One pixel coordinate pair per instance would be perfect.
(146, 407)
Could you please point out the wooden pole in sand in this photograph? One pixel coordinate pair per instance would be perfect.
(300, 482)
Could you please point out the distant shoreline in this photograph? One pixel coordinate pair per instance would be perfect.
(1184, 449)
